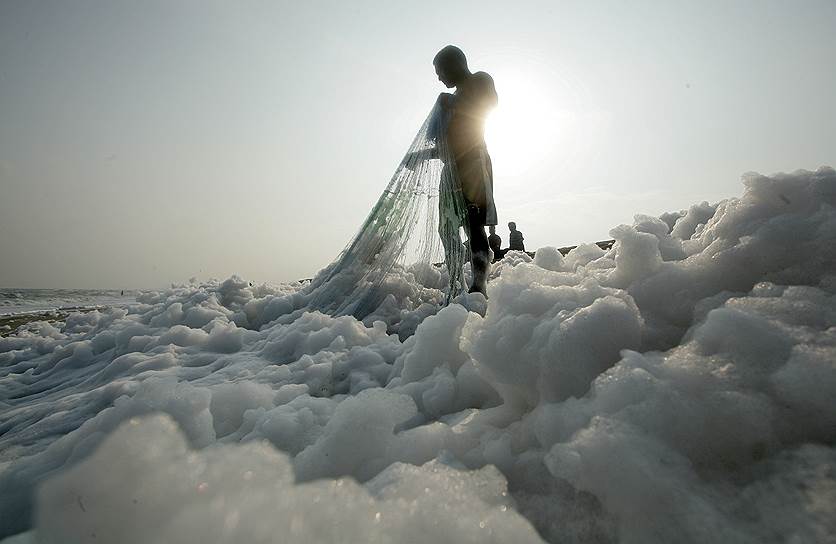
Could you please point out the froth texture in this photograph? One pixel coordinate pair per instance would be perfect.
(677, 387)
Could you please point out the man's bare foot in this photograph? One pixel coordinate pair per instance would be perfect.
(479, 289)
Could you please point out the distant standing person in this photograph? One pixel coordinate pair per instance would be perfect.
(495, 242)
(515, 239)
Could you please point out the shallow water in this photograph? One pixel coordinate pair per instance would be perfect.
(16, 301)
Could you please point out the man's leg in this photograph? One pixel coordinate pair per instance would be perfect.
(480, 261)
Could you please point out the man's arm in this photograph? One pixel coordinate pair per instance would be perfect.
(446, 100)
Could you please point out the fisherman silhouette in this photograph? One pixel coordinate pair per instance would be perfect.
(495, 243)
(475, 95)
(515, 239)
(443, 185)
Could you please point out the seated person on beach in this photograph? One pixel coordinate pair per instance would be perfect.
(495, 243)
(475, 96)
(515, 239)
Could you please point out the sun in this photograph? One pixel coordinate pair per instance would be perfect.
(524, 127)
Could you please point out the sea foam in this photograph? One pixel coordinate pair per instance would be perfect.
(677, 387)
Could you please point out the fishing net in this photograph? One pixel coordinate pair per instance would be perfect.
(417, 220)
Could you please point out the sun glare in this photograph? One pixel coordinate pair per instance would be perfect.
(523, 128)
(543, 128)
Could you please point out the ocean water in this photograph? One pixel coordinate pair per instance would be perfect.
(17, 301)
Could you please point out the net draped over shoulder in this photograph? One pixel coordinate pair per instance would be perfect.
(417, 220)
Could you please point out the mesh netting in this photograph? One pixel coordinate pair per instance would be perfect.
(416, 220)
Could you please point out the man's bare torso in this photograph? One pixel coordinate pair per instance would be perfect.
(475, 97)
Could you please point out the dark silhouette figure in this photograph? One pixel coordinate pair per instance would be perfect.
(495, 243)
(474, 97)
(515, 239)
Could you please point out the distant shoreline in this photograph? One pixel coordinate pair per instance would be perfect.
(13, 323)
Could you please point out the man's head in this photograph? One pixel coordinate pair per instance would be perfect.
(512, 226)
(451, 66)
(492, 229)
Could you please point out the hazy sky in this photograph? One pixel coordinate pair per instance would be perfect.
(145, 142)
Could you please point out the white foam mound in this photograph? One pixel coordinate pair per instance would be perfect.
(678, 387)
(157, 489)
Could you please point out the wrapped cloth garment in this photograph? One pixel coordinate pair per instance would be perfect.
(476, 174)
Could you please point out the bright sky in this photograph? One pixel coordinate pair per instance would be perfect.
(143, 143)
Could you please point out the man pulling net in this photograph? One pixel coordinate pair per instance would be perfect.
(475, 96)
(443, 184)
